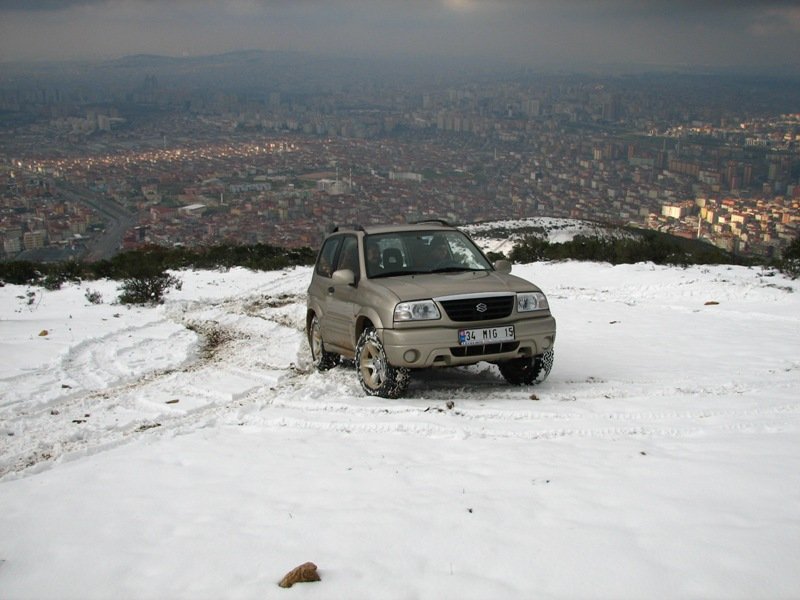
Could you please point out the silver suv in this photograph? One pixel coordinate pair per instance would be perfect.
(402, 297)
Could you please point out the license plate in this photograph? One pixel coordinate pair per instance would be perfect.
(487, 335)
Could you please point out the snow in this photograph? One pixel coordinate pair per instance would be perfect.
(661, 459)
(552, 229)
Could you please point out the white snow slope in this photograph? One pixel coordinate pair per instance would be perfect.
(661, 459)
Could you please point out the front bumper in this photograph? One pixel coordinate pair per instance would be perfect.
(438, 346)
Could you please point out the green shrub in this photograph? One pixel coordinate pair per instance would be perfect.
(53, 281)
(20, 272)
(93, 296)
(147, 288)
(495, 256)
(790, 263)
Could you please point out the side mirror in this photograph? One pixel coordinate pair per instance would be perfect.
(343, 277)
(503, 266)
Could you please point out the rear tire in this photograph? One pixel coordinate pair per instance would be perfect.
(320, 358)
(527, 371)
(376, 376)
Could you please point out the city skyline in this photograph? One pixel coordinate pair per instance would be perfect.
(545, 33)
(699, 157)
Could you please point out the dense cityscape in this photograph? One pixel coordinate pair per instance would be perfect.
(85, 172)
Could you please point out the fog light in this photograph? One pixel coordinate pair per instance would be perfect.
(410, 356)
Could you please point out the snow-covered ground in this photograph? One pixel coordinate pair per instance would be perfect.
(661, 459)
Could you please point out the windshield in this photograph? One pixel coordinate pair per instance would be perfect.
(417, 252)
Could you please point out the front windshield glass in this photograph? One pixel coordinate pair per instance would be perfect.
(417, 252)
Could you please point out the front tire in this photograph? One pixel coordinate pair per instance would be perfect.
(320, 358)
(528, 370)
(376, 376)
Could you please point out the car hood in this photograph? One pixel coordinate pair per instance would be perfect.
(418, 287)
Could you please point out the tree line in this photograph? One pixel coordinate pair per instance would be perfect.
(143, 272)
(640, 246)
(145, 278)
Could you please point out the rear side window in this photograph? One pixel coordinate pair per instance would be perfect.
(327, 256)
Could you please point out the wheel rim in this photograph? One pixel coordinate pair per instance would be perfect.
(316, 340)
(373, 366)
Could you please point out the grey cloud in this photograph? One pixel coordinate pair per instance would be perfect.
(569, 6)
(44, 5)
(523, 31)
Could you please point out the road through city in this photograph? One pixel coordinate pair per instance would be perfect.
(116, 218)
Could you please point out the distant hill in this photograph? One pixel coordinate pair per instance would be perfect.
(143, 61)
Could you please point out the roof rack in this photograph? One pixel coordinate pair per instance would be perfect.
(440, 221)
(336, 228)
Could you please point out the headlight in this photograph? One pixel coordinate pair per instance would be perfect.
(531, 301)
(421, 310)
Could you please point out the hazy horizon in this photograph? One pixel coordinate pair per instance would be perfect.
(701, 34)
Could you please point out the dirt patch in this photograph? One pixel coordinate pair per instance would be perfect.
(214, 335)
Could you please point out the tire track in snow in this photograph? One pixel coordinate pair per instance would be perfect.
(108, 408)
(333, 401)
(260, 375)
(99, 363)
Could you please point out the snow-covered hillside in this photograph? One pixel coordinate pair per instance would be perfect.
(188, 450)
(552, 229)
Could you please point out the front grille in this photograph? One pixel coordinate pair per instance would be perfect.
(480, 350)
(479, 309)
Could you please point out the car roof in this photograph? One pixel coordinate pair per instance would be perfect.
(394, 227)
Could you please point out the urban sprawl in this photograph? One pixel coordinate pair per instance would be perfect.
(86, 176)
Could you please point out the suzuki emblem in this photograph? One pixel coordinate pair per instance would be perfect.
(481, 308)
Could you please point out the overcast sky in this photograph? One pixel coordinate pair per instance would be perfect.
(535, 32)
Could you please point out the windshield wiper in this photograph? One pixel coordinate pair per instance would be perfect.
(454, 269)
(396, 273)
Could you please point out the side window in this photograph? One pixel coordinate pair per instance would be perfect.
(327, 256)
(348, 257)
